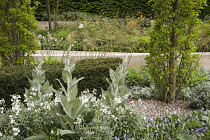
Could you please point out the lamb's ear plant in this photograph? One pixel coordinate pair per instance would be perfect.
(70, 106)
(117, 90)
(186, 137)
(115, 98)
(40, 88)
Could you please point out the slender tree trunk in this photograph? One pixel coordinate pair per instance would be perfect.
(15, 39)
(173, 60)
(49, 15)
(56, 15)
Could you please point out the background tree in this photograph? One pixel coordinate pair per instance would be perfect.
(171, 62)
(48, 14)
(17, 23)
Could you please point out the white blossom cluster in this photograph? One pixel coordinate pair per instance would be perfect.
(1, 105)
(47, 39)
(80, 25)
(16, 107)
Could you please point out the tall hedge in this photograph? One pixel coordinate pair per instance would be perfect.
(108, 8)
(14, 79)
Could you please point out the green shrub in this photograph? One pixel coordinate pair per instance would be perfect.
(198, 96)
(138, 77)
(14, 79)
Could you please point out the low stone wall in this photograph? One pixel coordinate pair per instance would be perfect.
(137, 59)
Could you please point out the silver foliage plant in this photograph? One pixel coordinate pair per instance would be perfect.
(71, 106)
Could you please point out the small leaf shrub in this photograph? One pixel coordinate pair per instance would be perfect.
(139, 92)
(199, 96)
(14, 79)
(197, 92)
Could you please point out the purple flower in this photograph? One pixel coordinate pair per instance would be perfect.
(116, 138)
(201, 130)
(124, 136)
(166, 120)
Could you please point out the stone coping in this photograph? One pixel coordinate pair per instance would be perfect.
(137, 59)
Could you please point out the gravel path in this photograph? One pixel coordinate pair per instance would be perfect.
(155, 108)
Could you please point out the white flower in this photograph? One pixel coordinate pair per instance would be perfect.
(55, 39)
(78, 120)
(57, 99)
(15, 131)
(1, 110)
(12, 121)
(15, 98)
(2, 101)
(16, 107)
(39, 36)
(86, 91)
(1, 134)
(80, 26)
(33, 93)
(117, 100)
(84, 99)
(47, 107)
(71, 45)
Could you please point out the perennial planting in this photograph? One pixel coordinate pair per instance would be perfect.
(50, 114)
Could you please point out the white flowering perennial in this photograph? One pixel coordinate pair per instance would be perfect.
(117, 100)
(16, 104)
(80, 25)
(105, 109)
(78, 120)
(2, 101)
(2, 105)
(16, 131)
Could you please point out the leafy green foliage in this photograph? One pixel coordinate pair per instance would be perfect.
(204, 42)
(17, 41)
(171, 62)
(138, 77)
